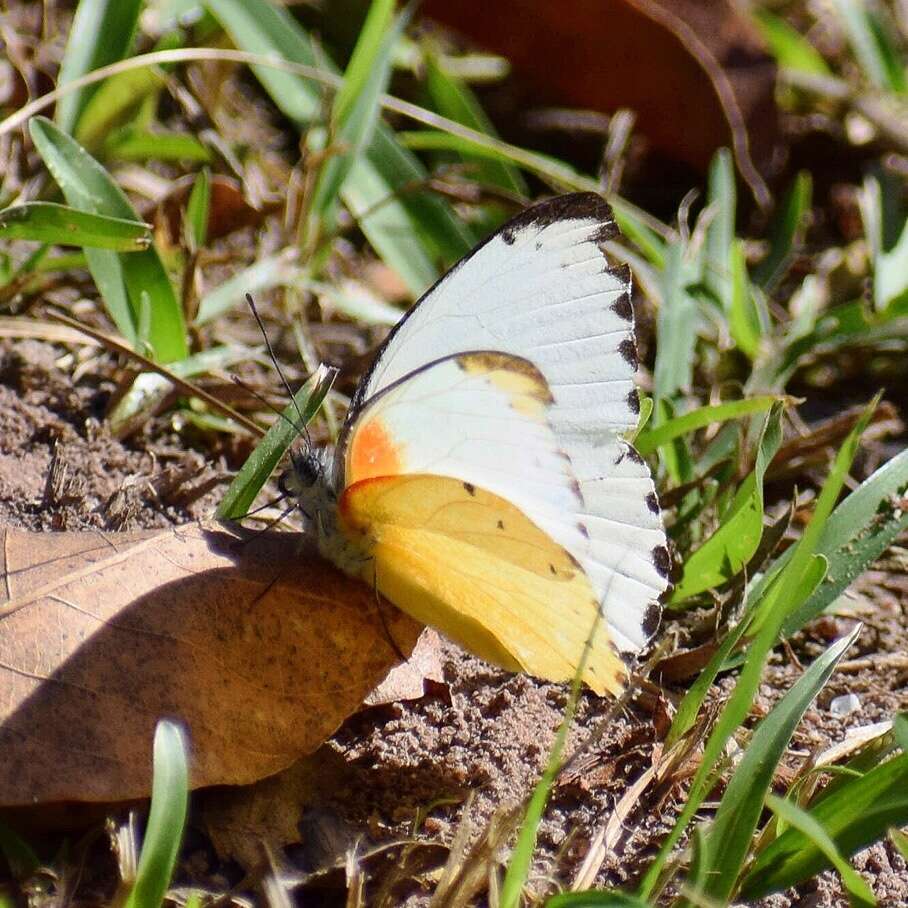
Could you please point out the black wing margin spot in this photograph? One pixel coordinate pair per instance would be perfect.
(577, 206)
(628, 350)
(623, 308)
(662, 561)
(651, 619)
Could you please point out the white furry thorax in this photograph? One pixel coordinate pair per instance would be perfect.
(317, 501)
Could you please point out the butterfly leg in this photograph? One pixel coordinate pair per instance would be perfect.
(380, 607)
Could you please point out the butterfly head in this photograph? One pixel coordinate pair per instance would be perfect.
(306, 470)
(307, 479)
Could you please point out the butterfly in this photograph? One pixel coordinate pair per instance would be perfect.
(481, 481)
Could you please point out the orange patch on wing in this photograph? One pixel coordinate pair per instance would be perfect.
(373, 452)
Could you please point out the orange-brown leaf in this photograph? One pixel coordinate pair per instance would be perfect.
(694, 71)
(260, 647)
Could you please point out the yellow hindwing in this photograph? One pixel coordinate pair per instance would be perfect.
(473, 565)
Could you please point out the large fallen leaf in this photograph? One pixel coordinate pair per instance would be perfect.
(694, 71)
(240, 820)
(259, 647)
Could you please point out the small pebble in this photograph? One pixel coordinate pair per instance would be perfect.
(845, 705)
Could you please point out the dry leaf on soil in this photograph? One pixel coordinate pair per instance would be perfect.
(228, 211)
(261, 648)
(239, 821)
(407, 681)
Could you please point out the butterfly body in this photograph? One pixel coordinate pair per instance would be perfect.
(482, 482)
(309, 481)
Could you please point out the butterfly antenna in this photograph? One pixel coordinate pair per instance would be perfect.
(301, 426)
(267, 403)
(272, 523)
(264, 507)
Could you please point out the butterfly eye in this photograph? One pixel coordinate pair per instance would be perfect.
(304, 472)
(287, 483)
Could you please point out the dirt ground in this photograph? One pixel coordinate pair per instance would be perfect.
(416, 771)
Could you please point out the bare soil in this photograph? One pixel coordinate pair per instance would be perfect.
(416, 771)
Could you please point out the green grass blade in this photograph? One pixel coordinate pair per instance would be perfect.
(521, 859)
(48, 222)
(692, 887)
(747, 321)
(596, 898)
(900, 731)
(845, 325)
(102, 32)
(900, 841)
(784, 231)
(676, 328)
(277, 271)
(781, 598)
(150, 388)
(647, 240)
(115, 104)
(794, 567)
(890, 289)
(370, 59)
(730, 835)
(886, 228)
(720, 235)
(730, 548)
(437, 140)
(144, 145)
(357, 109)
(693, 700)
(675, 456)
(790, 48)
(643, 417)
(197, 210)
(407, 225)
(889, 45)
(860, 895)
(856, 533)
(283, 432)
(121, 279)
(860, 529)
(355, 301)
(648, 441)
(169, 799)
(260, 27)
(858, 813)
(871, 44)
(454, 100)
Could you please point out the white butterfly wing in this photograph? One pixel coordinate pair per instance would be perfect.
(542, 289)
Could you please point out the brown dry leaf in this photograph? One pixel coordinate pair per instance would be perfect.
(228, 210)
(239, 821)
(407, 681)
(260, 647)
(693, 71)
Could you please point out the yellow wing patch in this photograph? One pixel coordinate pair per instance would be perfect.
(517, 377)
(473, 565)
